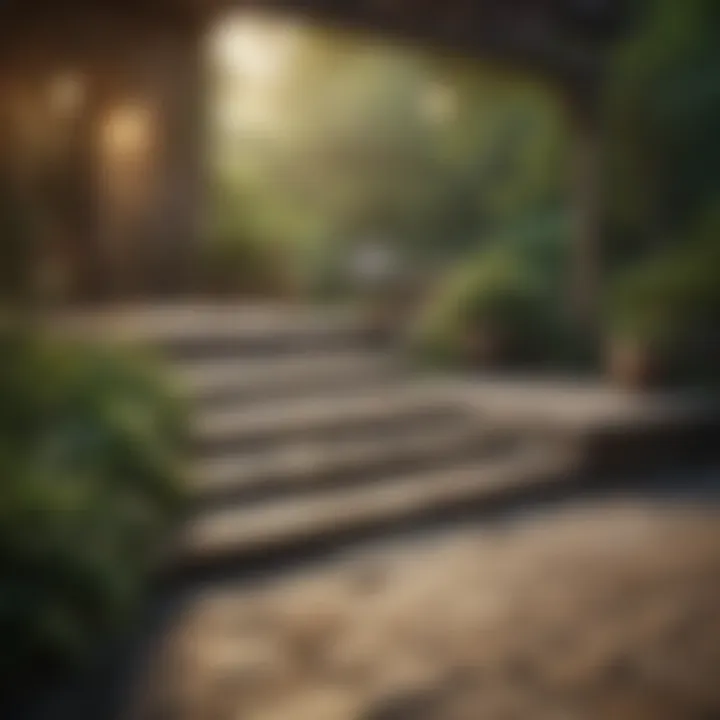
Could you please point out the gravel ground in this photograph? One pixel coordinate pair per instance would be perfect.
(604, 611)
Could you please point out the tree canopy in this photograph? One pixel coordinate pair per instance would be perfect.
(352, 137)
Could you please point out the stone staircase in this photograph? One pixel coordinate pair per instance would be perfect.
(305, 436)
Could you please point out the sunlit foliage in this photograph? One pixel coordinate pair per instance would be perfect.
(342, 137)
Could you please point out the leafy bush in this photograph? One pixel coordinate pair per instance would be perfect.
(495, 293)
(671, 304)
(543, 240)
(89, 465)
(652, 303)
(663, 110)
(673, 297)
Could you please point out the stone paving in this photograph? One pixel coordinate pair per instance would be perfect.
(606, 611)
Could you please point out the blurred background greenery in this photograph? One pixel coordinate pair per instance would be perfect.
(328, 141)
(351, 141)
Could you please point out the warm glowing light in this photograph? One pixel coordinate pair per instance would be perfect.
(66, 94)
(253, 55)
(256, 49)
(127, 131)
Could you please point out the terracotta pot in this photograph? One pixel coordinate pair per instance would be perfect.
(636, 365)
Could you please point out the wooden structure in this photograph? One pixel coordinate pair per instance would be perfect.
(102, 104)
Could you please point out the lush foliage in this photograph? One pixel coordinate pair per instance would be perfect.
(89, 453)
(663, 108)
(348, 138)
(673, 298)
(497, 293)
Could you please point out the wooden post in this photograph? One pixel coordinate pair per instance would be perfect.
(586, 266)
(151, 195)
(181, 191)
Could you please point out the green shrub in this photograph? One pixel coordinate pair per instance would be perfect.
(90, 479)
(670, 299)
(671, 305)
(495, 292)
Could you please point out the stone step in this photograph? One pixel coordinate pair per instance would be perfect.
(391, 412)
(219, 539)
(214, 330)
(306, 467)
(252, 333)
(230, 344)
(238, 380)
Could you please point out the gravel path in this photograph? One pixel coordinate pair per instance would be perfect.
(610, 611)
